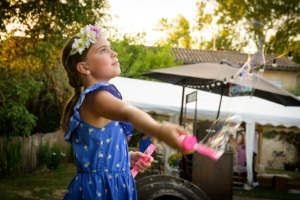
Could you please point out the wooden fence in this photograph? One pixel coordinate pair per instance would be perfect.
(31, 145)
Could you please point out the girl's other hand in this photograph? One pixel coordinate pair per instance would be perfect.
(141, 160)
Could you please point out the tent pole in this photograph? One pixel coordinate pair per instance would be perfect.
(222, 90)
(181, 110)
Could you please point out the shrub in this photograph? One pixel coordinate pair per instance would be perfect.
(50, 156)
(174, 159)
(11, 158)
(291, 166)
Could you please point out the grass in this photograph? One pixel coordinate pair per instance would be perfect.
(294, 175)
(265, 193)
(41, 185)
(268, 192)
(47, 184)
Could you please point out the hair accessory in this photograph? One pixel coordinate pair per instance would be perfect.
(87, 35)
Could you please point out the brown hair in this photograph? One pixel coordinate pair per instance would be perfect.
(70, 64)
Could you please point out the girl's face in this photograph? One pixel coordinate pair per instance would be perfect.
(102, 61)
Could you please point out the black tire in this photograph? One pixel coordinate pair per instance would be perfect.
(164, 187)
(148, 172)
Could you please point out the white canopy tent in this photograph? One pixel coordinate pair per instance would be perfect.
(163, 97)
(166, 98)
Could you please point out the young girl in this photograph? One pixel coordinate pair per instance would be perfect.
(97, 122)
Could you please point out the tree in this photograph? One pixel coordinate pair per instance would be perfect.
(50, 19)
(203, 25)
(280, 16)
(177, 32)
(33, 86)
(136, 58)
(295, 90)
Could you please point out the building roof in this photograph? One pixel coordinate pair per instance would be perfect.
(190, 56)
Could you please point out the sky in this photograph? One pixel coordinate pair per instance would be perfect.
(136, 16)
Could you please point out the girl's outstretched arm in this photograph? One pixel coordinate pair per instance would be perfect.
(103, 104)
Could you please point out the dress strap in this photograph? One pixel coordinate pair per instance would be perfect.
(75, 119)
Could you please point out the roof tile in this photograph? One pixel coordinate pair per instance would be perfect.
(189, 56)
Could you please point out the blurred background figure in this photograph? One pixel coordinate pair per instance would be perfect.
(234, 147)
(144, 141)
(241, 143)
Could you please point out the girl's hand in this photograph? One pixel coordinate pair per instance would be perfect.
(143, 164)
(170, 134)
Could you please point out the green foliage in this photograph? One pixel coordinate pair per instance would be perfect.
(270, 134)
(229, 25)
(203, 18)
(226, 39)
(289, 137)
(280, 16)
(38, 55)
(11, 158)
(294, 47)
(32, 92)
(16, 91)
(177, 32)
(50, 156)
(136, 59)
(174, 159)
(33, 86)
(291, 166)
(51, 19)
(48, 105)
(295, 90)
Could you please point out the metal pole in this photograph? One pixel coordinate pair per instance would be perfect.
(222, 90)
(182, 102)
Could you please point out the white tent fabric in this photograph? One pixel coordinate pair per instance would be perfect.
(166, 98)
(263, 112)
(250, 130)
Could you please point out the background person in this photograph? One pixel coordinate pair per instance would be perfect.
(241, 143)
(234, 147)
(143, 142)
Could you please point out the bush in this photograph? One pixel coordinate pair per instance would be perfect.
(50, 156)
(175, 159)
(290, 166)
(11, 158)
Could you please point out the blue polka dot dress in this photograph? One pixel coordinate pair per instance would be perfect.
(101, 156)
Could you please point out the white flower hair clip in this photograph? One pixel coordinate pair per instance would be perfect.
(87, 35)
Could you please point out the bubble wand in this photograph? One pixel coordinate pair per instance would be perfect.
(213, 145)
(150, 149)
(190, 142)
